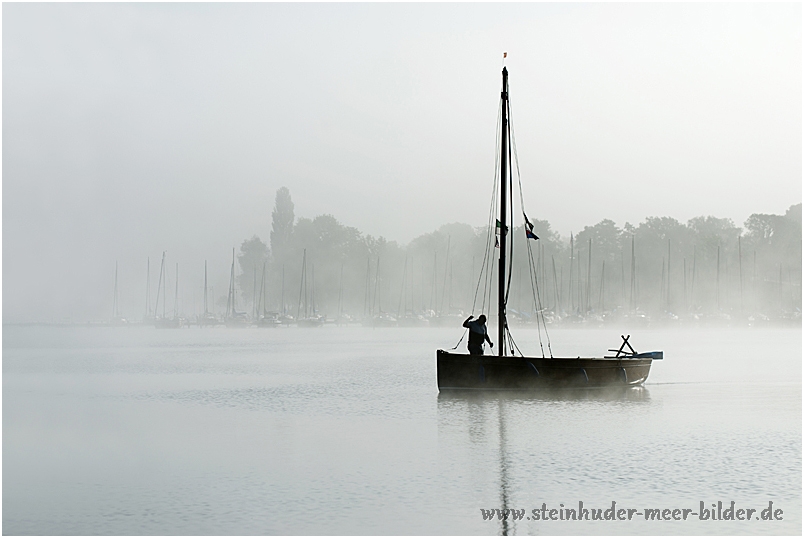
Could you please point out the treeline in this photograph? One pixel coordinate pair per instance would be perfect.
(705, 266)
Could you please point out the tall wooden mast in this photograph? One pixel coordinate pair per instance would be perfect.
(148, 289)
(115, 306)
(176, 300)
(503, 214)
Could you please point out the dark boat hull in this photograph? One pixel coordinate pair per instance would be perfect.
(464, 371)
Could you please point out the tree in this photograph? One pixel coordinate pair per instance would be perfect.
(775, 241)
(282, 219)
(710, 231)
(253, 254)
(605, 240)
(764, 227)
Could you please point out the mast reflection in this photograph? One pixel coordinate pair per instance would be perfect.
(472, 412)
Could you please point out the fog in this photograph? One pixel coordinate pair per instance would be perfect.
(133, 129)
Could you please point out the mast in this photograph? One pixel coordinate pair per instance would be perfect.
(544, 269)
(589, 279)
(781, 301)
(312, 294)
(754, 284)
(572, 250)
(449, 300)
(303, 288)
(403, 300)
(668, 275)
(740, 257)
(446, 270)
(717, 279)
(421, 287)
(115, 307)
(262, 293)
(378, 290)
(501, 323)
(557, 298)
(159, 285)
(622, 276)
(692, 280)
(230, 304)
(148, 289)
(471, 280)
(434, 287)
(602, 284)
(686, 306)
(206, 309)
(633, 276)
(176, 299)
(340, 292)
(367, 295)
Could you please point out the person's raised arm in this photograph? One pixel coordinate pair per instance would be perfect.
(466, 322)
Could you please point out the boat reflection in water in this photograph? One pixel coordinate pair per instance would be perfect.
(459, 397)
(477, 415)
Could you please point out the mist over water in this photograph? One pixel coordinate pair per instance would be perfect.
(234, 236)
(342, 430)
(133, 129)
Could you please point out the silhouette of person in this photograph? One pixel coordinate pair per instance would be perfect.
(477, 334)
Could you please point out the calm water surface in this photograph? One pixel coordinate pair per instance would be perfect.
(343, 431)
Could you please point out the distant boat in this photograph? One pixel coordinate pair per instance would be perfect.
(268, 319)
(307, 316)
(233, 317)
(405, 315)
(381, 318)
(208, 318)
(148, 317)
(511, 369)
(343, 317)
(163, 322)
(117, 318)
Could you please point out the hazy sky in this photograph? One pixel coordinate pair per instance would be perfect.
(129, 129)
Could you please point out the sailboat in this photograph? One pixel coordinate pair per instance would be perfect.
(405, 314)
(379, 318)
(343, 317)
(310, 318)
(268, 319)
(163, 322)
(234, 318)
(117, 318)
(208, 318)
(510, 369)
(149, 316)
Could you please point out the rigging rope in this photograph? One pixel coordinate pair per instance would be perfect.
(531, 265)
(461, 340)
(482, 277)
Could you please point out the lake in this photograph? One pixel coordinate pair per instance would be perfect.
(290, 431)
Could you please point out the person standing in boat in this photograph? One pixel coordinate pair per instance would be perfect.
(477, 334)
